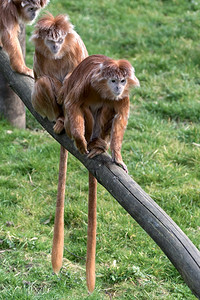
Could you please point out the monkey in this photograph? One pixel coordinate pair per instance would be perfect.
(95, 99)
(12, 12)
(99, 86)
(58, 50)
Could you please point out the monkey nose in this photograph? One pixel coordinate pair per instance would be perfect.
(55, 48)
(117, 90)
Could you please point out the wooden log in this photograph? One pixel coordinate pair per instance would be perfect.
(162, 229)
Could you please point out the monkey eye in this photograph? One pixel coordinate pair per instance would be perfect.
(31, 9)
(123, 80)
(60, 40)
(113, 80)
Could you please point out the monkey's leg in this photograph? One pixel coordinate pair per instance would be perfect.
(77, 127)
(58, 236)
(91, 233)
(102, 127)
(44, 99)
(12, 47)
(117, 133)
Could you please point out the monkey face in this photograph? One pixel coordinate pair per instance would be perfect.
(54, 44)
(116, 85)
(30, 11)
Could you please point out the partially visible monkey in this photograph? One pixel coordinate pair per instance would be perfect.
(58, 50)
(95, 100)
(11, 13)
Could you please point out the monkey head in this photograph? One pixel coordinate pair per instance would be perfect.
(117, 77)
(52, 31)
(29, 9)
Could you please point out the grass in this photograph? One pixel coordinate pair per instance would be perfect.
(160, 148)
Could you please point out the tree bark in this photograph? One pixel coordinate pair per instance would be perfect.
(162, 229)
(11, 106)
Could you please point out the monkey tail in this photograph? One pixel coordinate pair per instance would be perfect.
(58, 236)
(91, 234)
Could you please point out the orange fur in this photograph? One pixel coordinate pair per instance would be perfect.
(87, 87)
(58, 236)
(95, 116)
(91, 233)
(11, 13)
(50, 70)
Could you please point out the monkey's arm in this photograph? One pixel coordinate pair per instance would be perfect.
(76, 125)
(117, 132)
(12, 47)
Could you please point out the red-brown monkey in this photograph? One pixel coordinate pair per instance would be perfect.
(11, 13)
(58, 50)
(95, 100)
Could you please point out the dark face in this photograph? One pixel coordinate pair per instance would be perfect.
(117, 85)
(30, 12)
(54, 45)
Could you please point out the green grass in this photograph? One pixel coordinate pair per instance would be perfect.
(160, 148)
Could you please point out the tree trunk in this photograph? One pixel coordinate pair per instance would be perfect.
(11, 106)
(152, 218)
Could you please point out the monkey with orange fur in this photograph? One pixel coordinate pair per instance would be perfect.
(12, 12)
(58, 50)
(102, 85)
(95, 100)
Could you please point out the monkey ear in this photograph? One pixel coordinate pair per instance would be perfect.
(34, 36)
(132, 73)
(44, 2)
(134, 79)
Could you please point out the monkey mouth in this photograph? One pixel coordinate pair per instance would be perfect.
(117, 93)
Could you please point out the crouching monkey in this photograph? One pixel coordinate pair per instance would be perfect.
(95, 100)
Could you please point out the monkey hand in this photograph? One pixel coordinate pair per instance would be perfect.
(29, 73)
(25, 70)
(116, 158)
(59, 126)
(81, 145)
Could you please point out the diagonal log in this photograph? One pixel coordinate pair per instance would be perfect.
(162, 229)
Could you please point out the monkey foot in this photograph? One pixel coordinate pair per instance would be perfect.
(96, 147)
(94, 152)
(59, 126)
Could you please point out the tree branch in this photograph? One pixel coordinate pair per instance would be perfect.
(169, 237)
